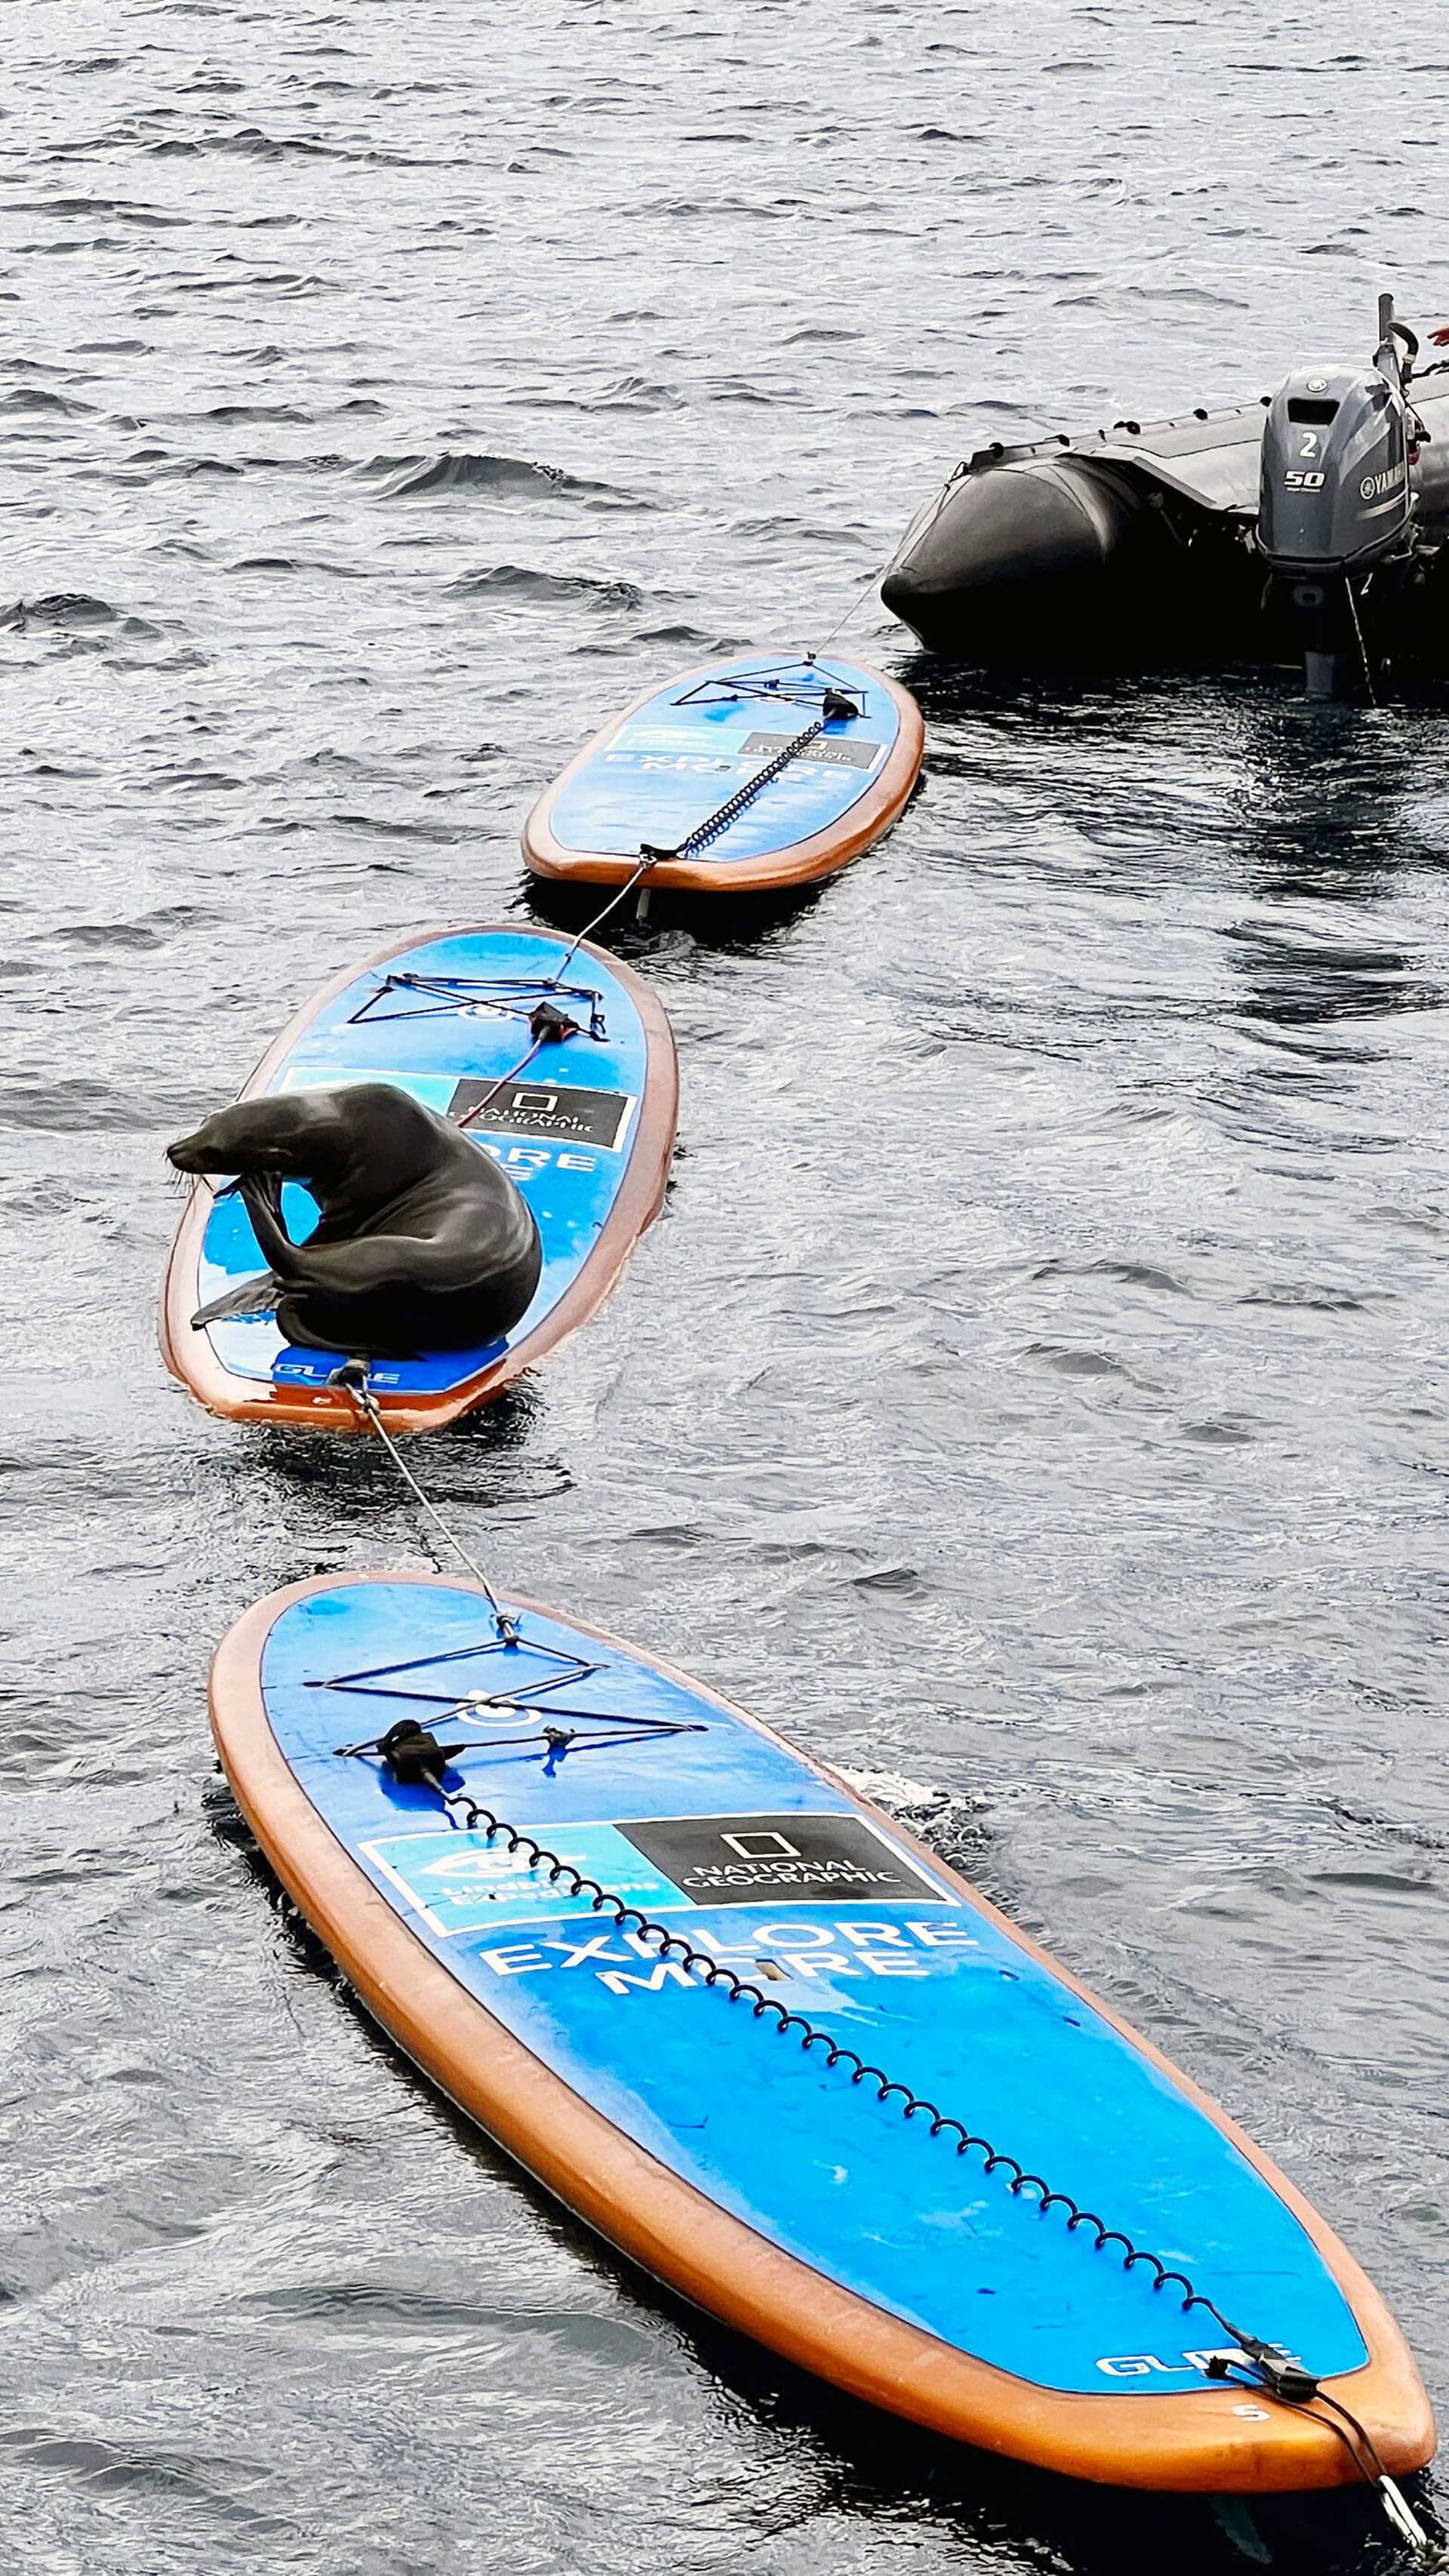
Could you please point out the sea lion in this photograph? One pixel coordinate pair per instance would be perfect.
(423, 1244)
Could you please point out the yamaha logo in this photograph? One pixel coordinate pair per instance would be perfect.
(1373, 484)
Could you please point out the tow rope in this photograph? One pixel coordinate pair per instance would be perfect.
(1368, 676)
(354, 1379)
(836, 708)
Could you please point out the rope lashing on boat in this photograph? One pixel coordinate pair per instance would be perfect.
(1368, 677)
(506, 996)
(782, 684)
(409, 1750)
(407, 1743)
(536, 1698)
(547, 1024)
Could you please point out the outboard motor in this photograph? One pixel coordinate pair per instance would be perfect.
(1336, 496)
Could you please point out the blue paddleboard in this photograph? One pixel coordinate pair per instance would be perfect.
(585, 1127)
(723, 737)
(738, 2162)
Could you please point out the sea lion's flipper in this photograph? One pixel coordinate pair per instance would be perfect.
(261, 1195)
(251, 1297)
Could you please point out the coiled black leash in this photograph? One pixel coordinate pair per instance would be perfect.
(414, 1756)
(837, 708)
(416, 1759)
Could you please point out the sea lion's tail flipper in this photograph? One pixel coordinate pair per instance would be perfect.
(250, 1297)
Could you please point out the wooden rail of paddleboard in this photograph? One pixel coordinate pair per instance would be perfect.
(1213, 2441)
(190, 1356)
(818, 856)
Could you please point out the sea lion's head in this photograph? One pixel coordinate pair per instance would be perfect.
(298, 1135)
(361, 1141)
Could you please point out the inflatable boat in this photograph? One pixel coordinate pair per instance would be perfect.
(1305, 527)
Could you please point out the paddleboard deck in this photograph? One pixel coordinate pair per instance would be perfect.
(770, 2186)
(679, 753)
(586, 1129)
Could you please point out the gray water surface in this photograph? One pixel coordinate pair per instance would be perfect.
(1035, 1389)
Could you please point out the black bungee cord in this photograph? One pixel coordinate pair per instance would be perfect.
(836, 709)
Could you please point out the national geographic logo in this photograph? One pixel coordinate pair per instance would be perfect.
(833, 752)
(779, 1860)
(563, 1112)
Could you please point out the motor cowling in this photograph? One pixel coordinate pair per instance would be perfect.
(1336, 491)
